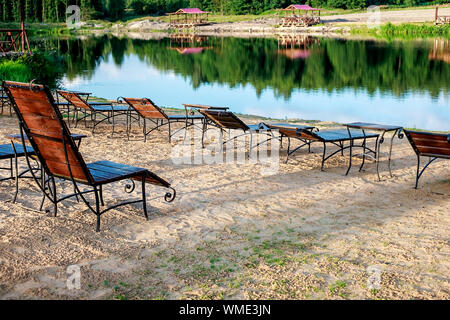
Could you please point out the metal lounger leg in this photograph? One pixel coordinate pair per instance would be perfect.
(97, 209)
(351, 156)
(377, 158)
(203, 132)
(55, 200)
(101, 195)
(323, 155)
(170, 132)
(144, 199)
(363, 154)
(288, 149)
(144, 128)
(417, 172)
(390, 152)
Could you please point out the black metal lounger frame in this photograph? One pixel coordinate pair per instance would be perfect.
(246, 128)
(5, 102)
(340, 143)
(109, 116)
(283, 127)
(432, 157)
(14, 165)
(156, 122)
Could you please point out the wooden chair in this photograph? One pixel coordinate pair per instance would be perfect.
(41, 121)
(338, 138)
(428, 144)
(148, 110)
(92, 109)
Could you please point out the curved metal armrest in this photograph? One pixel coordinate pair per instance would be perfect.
(170, 196)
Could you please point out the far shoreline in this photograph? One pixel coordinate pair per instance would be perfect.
(413, 22)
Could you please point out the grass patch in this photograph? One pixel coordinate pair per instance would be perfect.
(405, 31)
(337, 288)
(44, 67)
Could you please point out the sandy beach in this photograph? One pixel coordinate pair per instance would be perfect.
(336, 24)
(233, 233)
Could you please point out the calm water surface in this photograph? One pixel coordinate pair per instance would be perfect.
(400, 82)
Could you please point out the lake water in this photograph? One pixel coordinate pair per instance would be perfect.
(399, 82)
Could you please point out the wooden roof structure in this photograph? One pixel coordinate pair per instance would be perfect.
(294, 7)
(308, 16)
(15, 40)
(188, 11)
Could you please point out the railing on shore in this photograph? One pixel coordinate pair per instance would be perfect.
(440, 19)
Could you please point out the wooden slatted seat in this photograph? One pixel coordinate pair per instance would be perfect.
(92, 109)
(428, 144)
(41, 121)
(148, 110)
(225, 119)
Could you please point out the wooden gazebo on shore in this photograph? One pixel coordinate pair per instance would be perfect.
(440, 19)
(298, 15)
(188, 17)
(15, 41)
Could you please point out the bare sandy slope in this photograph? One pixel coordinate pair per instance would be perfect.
(334, 24)
(395, 16)
(234, 233)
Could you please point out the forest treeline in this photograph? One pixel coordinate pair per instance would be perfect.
(55, 10)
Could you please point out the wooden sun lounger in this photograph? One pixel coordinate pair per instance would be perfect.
(92, 109)
(338, 138)
(148, 110)
(41, 121)
(227, 120)
(289, 131)
(428, 144)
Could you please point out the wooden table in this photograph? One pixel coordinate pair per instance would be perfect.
(383, 129)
